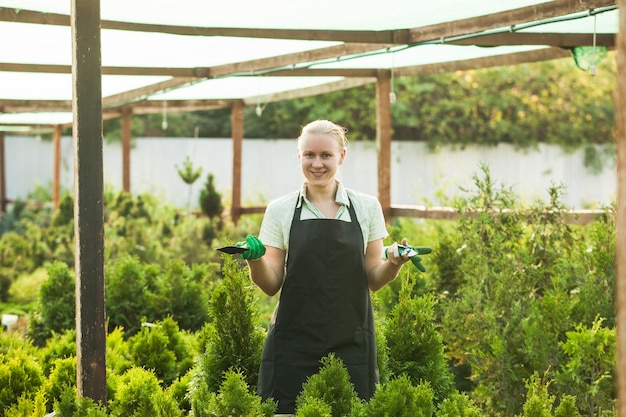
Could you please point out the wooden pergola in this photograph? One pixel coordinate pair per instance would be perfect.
(89, 108)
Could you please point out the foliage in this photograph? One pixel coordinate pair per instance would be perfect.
(518, 278)
(56, 309)
(189, 175)
(540, 403)
(509, 293)
(416, 348)
(20, 375)
(234, 399)
(589, 371)
(210, 199)
(72, 406)
(140, 394)
(161, 348)
(58, 346)
(62, 378)
(458, 405)
(233, 339)
(28, 407)
(137, 290)
(331, 384)
(400, 398)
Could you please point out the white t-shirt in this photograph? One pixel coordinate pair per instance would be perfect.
(276, 223)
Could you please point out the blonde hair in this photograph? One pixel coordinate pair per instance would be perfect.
(325, 127)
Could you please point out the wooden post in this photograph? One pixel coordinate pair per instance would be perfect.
(88, 200)
(620, 243)
(383, 140)
(127, 114)
(3, 182)
(56, 178)
(236, 121)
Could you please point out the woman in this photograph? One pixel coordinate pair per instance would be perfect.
(321, 247)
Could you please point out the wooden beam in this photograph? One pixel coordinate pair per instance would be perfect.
(563, 40)
(127, 97)
(399, 36)
(508, 18)
(3, 181)
(620, 227)
(237, 128)
(56, 177)
(88, 201)
(537, 55)
(369, 36)
(310, 91)
(383, 141)
(127, 115)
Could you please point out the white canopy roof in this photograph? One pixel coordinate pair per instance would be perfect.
(255, 51)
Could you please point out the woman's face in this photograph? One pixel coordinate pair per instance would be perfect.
(320, 156)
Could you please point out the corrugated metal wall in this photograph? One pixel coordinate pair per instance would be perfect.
(270, 169)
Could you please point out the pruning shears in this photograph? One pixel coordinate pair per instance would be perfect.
(412, 252)
(232, 250)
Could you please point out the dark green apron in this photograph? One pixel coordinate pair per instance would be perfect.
(324, 307)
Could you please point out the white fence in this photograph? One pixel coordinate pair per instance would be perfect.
(270, 169)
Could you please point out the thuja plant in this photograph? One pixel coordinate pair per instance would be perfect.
(519, 274)
(234, 399)
(55, 310)
(233, 338)
(540, 403)
(210, 200)
(589, 371)
(458, 405)
(162, 348)
(331, 386)
(189, 174)
(139, 394)
(415, 346)
(399, 398)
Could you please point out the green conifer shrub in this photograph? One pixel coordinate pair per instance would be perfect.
(20, 374)
(58, 346)
(415, 346)
(161, 348)
(314, 407)
(184, 294)
(129, 285)
(62, 377)
(211, 199)
(400, 398)
(589, 371)
(56, 308)
(71, 405)
(27, 406)
(233, 339)
(331, 385)
(140, 395)
(234, 399)
(458, 405)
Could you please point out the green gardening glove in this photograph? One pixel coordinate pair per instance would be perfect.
(256, 249)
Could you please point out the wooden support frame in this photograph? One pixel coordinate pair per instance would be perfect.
(3, 182)
(237, 136)
(88, 200)
(56, 177)
(620, 228)
(383, 140)
(127, 115)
